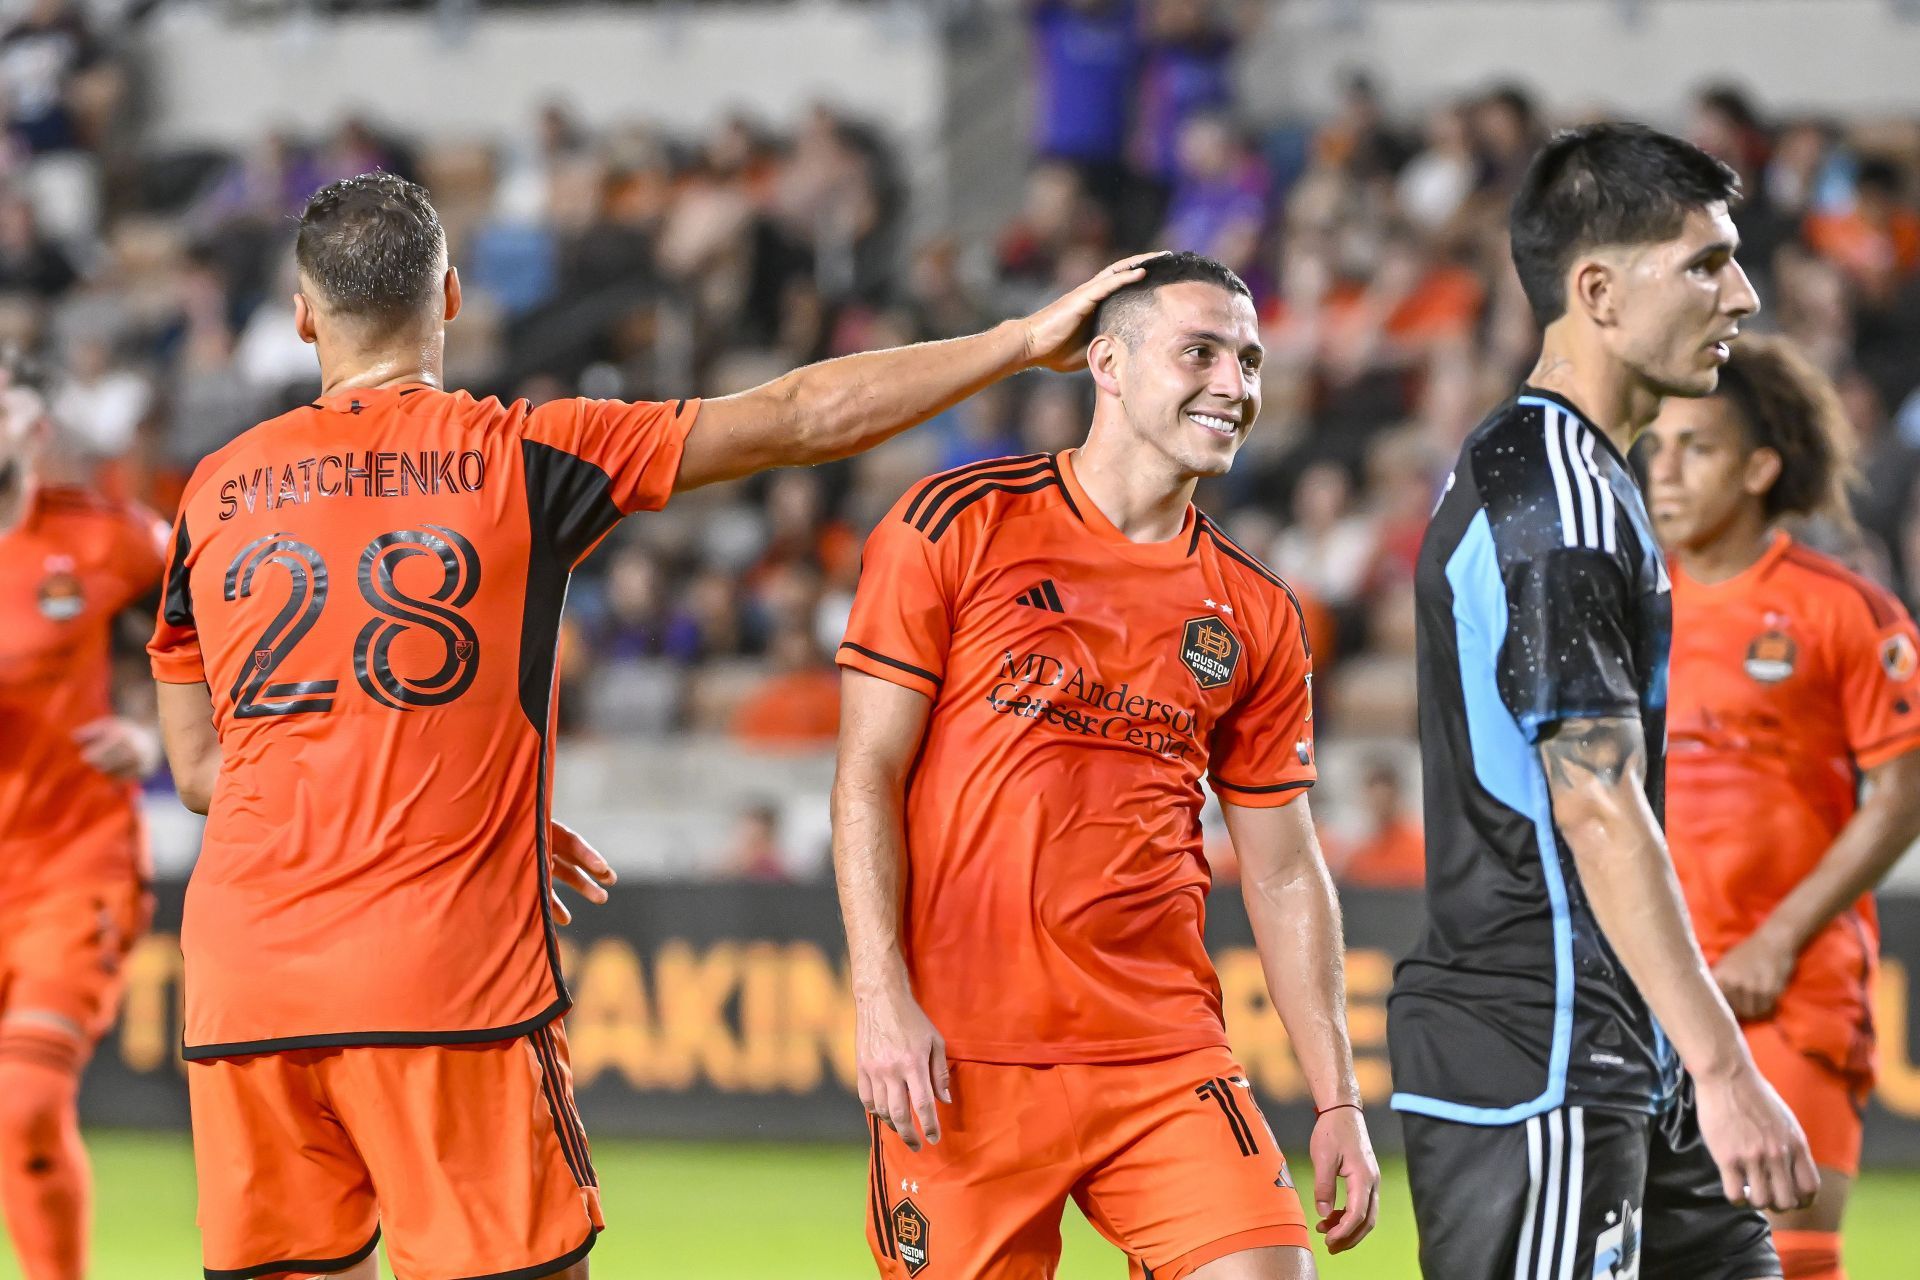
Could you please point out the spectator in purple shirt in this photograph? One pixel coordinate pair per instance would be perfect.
(1086, 53)
(1187, 69)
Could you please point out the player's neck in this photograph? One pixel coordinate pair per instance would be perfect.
(1136, 488)
(1619, 404)
(1736, 549)
(408, 361)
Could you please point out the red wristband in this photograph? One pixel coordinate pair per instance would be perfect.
(1320, 1111)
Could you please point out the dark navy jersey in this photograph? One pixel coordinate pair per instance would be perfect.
(1542, 597)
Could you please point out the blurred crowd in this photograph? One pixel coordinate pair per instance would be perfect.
(623, 261)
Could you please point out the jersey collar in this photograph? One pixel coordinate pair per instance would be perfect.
(1530, 392)
(1778, 545)
(1172, 551)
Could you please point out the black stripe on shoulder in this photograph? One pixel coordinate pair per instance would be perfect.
(1234, 551)
(937, 489)
(177, 592)
(986, 487)
(1879, 604)
(1065, 492)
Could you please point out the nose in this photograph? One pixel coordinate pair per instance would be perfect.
(1663, 465)
(1742, 299)
(1229, 381)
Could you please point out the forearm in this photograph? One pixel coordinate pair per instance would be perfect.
(840, 407)
(1629, 883)
(1296, 928)
(868, 841)
(1883, 829)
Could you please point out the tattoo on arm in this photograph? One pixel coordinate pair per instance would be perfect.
(1610, 750)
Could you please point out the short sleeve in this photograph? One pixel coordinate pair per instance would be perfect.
(637, 446)
(1262, 754)
(1879, 680)
(174, 650)
(901, 627)
(140, 554)
(1569, 650)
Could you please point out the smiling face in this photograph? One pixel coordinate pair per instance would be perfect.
(1676, 304)
(1188, 375)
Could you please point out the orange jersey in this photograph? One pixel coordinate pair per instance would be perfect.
(1787, 680)
(1082, 685)
(371, 586)
(66, 571)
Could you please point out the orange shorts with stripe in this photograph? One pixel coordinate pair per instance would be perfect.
(468, 1159)
(64, 952)
(1828, 1102)
(1170, 1160)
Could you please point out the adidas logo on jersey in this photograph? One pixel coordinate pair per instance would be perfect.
(1041, 596)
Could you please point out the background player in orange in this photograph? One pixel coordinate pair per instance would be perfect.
(356, 650)
(1046, 655)
(1793, 677)
(73, 874)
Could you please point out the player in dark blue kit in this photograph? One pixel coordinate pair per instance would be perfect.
(1551, 1132)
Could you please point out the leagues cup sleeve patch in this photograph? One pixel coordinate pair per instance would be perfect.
(910, 1234)
(1897, 657)
(1210, 651)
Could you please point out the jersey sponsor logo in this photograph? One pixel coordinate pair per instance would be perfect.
(1771, 657)
(1898, 659)
(1616, 1250)
(61, 596)
(1075, 699)
(353, 475)
(910, 1234)
(1210, 651)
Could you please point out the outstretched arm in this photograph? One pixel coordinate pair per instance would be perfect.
(1296, 927)
(1596, 775)
(841, 407)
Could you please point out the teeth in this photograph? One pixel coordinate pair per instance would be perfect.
(1225, 426)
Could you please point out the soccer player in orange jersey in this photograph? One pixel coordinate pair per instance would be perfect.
(355, 652)
(73, 875)
(1046, 656)
(1793, 679)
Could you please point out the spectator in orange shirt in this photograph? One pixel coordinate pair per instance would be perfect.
(799, 705)
(1394, 854)
(1877, 240)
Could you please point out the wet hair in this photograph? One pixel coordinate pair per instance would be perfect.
(374, 248)
(1782, 402)
(1124, 313)
(1605, 184)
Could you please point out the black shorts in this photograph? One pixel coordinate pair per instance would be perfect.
(1579, 1194)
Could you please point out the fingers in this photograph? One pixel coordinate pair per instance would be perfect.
(1363, 1209)
(942, 1074)
(561, 915)
(1135, 262)
(1806, 1175)
(925, 1113)
(569, 846)
(1733, 1181)
(576, 878)
(896, 1108)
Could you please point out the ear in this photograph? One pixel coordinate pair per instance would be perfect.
(452, 287)
(1761, 473)
(1592, 290)
(1106, 361)
(303, 319)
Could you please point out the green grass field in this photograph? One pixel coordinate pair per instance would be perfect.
(707, 1212)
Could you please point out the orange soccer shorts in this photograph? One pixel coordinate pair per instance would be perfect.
(62, 952)
(469, 1158)
(1827, 1101)
(1169, 1159)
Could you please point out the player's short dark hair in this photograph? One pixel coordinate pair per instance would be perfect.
(1124, 313)
(1783, 403)
(373, 246)
(1605, 184)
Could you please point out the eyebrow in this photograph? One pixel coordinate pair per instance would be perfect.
(1220, 340)
(1729, 247)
